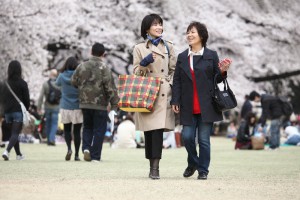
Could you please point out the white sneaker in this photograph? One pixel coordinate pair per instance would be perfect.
(95, 161)
(20, 157)
(5, 155)
(87, 155)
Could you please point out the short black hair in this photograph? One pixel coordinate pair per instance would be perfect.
(253, 94)
(98, 49)
(202, 31)
(70, 64)
(14, 70)
(148, 21)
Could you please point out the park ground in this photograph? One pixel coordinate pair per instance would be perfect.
(123, 174)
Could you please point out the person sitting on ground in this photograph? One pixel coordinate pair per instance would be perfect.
(125, 136)
(245, 131)
(293, 135)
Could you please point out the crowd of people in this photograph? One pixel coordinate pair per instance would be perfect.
(266, 119)
(84, 95)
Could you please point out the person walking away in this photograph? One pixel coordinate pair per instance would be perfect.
(156, 57)
(12, 109)
(50, 97)
(71, 114)
(191, 96)
(97, 89)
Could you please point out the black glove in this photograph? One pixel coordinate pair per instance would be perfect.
(147, 60)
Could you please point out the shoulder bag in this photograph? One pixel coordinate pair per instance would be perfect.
(26, 115)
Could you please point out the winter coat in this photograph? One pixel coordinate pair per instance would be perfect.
(205, 68)
(69, 94)
(162, 116)
(96, 85)
(246, 108)
(20, 88)
(271, 108)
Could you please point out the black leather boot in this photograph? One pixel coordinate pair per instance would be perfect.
(154, 169)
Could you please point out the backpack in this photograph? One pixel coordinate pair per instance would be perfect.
(54, 94)
(286, 106)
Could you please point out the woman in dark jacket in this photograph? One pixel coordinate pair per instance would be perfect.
(192, 96)
(12, 108)
(246, 130)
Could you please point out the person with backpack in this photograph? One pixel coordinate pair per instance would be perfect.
(71, 114)
(272, 110)
(50, 97)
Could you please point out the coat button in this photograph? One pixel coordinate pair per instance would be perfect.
(162, 70)
(150, 71)
(162, 57)
(161, 82)
(163, 95)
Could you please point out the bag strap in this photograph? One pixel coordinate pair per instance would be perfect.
(225, 82)
(167, 47)
(12, 92)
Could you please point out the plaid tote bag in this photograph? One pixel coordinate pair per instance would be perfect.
(137, 93)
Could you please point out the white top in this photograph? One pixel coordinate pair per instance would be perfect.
(191, 54)
(125, 137)
(291, 130)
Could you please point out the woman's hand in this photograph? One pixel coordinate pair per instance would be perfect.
(148, 59)
(176, 108)
(224, 64)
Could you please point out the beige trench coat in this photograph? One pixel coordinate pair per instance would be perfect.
(162, 116)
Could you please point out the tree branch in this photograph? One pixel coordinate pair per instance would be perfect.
(274, 77)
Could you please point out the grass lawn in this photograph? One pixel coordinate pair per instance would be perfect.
(123, 174)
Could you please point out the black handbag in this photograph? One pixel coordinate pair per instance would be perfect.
(223, 100)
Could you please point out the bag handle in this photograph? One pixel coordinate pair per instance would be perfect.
(225, 82)
(12, 92)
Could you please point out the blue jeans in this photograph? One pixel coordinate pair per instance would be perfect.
(14, 117)
(94, 128)
(15, 122)
(203, 129)
(51, 124)
(275, 133)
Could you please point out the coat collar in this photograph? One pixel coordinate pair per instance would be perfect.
(207, 55)
(154, 48)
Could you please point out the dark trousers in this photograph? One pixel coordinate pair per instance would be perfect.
(153, 143)
(94, 128)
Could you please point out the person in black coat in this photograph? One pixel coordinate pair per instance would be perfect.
(246, 108)
(192, 96)
(12, 109)
(272, 110)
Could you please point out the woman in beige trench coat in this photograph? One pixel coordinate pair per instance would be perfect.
(157, 58)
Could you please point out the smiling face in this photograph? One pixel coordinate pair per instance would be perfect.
(155, 30)
(193, 37)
